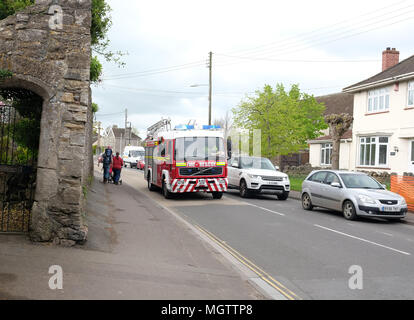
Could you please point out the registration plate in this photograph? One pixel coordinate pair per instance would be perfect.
(273, 183)
(390, 209)
(202, 183)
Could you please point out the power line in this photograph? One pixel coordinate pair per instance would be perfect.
(307, 34)
(287, 60)
(304, 47)
(156, 71)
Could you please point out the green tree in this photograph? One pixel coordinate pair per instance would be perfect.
(287, 120)
(9, 7)
(338, 125)
(95, 107)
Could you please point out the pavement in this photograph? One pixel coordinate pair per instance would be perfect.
(136, 249)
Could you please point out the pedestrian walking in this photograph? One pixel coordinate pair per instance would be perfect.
(117, 165)
(106, 161)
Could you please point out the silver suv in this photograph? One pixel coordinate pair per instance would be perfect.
(353, 193)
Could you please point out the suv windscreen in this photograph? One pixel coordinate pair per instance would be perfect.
(256, 163)
(359, 181)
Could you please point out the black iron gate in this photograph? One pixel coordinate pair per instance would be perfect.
(18, 164)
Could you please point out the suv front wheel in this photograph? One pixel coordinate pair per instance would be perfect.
(283, 196)
(244, 191)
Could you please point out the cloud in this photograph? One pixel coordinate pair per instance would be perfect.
(159, 34)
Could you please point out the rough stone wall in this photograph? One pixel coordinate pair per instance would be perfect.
(47, 47)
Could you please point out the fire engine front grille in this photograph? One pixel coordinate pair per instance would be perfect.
(214, 171)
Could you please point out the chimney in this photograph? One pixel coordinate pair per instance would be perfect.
(390, 57)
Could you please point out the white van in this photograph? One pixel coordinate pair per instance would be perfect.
(132, 154)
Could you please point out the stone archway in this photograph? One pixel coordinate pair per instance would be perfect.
(46, 47)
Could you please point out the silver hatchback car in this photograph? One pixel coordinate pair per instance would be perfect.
(353, 193)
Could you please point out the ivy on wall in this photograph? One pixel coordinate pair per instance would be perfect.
(4, 74)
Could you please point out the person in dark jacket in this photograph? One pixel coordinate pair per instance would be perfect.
(106, 161)
(117, 164)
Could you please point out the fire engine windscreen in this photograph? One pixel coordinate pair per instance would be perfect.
(199, 148)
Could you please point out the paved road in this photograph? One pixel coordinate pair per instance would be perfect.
(303, 254)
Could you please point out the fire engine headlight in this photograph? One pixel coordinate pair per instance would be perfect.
(222, 181)
(180, 183)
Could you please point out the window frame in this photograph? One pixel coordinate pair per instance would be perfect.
(410, 89)
(377, 148)
(376, 97)
(324, 148)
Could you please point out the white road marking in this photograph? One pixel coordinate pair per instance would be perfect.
(361, 239)
(275, 212)
(387, 234)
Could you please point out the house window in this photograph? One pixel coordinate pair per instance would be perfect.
(378, 100)
(326, 154)
(411, 94)
(373, 151)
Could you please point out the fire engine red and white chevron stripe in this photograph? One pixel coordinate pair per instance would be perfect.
(197, 185)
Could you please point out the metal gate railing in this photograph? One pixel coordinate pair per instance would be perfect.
(17, 173)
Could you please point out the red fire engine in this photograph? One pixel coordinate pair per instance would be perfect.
(185, 159)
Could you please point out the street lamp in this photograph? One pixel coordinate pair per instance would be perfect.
(209, 99)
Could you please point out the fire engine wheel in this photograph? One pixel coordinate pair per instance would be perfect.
(151, 187)
(217, 195)
(167, 194)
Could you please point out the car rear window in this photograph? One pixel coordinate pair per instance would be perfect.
(318, 176)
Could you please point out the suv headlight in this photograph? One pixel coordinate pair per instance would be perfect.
(253, 176)
(366, 199)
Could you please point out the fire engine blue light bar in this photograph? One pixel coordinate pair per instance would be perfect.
(184, 127)
(211, 127)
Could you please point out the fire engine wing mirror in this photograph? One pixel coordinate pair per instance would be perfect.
(229, 145)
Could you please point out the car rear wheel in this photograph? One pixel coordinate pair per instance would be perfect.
(306, 202)
(283, 196)
(244, 192)
(348, 210)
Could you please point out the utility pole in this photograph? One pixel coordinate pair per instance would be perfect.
(126, 119)
(210, 66)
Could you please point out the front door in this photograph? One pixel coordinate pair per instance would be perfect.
(411, 158)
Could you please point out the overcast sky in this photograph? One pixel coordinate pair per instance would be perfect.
(311, 43)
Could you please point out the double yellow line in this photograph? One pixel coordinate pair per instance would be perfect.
(249, 264)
